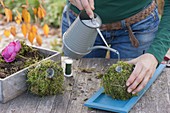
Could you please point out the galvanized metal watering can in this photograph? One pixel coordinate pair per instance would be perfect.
(80, 37)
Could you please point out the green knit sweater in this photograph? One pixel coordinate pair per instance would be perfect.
(115, 10)
(161, 44)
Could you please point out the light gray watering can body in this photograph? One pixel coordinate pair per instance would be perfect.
(80, 37)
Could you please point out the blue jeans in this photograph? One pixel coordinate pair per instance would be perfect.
(144, 31)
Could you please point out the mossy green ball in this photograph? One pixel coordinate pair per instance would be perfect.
(114, 83)
(40, 84)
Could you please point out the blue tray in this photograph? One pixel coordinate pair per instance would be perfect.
(101, 101)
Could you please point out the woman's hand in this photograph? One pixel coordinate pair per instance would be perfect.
(145, 66)
(87, 5)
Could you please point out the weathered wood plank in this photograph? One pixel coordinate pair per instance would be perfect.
(45, 105)
(4, 107)
(101, 111)
(167, 74)
(93, 82)
(75, 102)
(61, 102)
(155, 100)
(31, 103)
(1, 97)
(16, 104)
(82, 86)
(87, 83)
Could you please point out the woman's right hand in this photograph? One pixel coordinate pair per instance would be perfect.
(87, 5)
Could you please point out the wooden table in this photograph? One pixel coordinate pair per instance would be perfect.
(83, 85)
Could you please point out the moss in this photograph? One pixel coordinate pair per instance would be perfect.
(114, 83)
(29, 54)
(87, 70)
(40, 84)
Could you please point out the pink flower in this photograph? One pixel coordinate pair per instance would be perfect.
(10, 51)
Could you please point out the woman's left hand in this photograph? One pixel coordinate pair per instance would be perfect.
(145, 66)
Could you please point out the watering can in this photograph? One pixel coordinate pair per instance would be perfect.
(80, 37)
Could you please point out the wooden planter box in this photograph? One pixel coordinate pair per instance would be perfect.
(15, 84)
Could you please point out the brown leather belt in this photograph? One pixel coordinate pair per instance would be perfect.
(129, 21)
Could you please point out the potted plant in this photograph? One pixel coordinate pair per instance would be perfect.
(15, 60)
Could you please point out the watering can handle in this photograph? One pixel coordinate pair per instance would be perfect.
(67, 13)
(102, 37)
(108, 48)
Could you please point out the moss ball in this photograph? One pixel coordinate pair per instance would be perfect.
(114, 82)
(46, 78)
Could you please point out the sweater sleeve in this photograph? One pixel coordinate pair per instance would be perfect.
(161, 43)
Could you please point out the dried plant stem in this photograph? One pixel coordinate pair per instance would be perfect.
(22, 57)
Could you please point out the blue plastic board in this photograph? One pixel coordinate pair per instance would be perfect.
(101, 101)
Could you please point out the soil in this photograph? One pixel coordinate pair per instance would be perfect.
(26, 57)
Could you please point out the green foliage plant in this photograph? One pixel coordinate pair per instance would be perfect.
(114, 82)
(17, 5)
(40, 84)
(53, 8)
(54, 11)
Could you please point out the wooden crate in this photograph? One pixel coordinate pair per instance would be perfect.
(15, 84)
